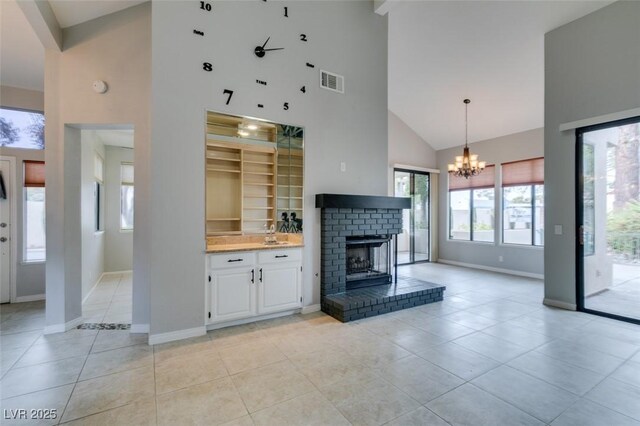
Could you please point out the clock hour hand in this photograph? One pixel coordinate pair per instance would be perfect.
(265, 43)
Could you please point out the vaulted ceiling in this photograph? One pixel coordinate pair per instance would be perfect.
(440, 52)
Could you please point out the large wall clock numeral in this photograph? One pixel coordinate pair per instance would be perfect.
(286, 12)
(303, 37)
(303, 89)
(205, 6)
(228, 92)
(310, 65)
(207, 66)
(286, 106)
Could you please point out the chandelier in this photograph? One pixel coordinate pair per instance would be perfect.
(467, 164)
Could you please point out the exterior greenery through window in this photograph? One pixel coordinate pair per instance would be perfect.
(34, 243)
(472, 207)
(126, 197)
(523, 202)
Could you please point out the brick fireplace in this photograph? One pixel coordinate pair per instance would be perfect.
(366, 227)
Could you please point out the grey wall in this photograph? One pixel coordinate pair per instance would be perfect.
(117, 49)
(118, 255)
(345, 37)
(527, 259)
(92, 241)
(30, 279)
(591, 69)
(407, 148)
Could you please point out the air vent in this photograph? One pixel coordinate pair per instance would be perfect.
(331, 81)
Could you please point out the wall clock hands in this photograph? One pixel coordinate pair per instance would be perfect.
(260, 51)
(275, 48)
(265, 43)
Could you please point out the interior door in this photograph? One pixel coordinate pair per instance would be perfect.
(608, 219)
(6, 200)
(414, 241)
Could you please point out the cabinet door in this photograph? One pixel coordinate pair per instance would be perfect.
(279, 287)
(232, 294)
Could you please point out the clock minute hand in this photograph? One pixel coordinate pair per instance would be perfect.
(275, 48)
(265, 43)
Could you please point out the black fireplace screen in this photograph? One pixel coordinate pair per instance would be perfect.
(368, 261)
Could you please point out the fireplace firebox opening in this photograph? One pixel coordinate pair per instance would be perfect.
(368, 260)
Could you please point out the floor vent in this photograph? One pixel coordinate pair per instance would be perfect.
(331, 81)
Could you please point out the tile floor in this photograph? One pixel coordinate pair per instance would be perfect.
(489, 354)
(110, 300)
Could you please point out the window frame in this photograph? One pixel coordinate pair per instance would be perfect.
(532, 192)
(132, 184)
(471, 217)
(25, 232)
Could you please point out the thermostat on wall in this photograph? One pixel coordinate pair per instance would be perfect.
(100, 86)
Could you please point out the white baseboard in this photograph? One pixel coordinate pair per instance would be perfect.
(217, 325)
(93, 287)
(117, 272)
(31, 298)
(139, 328)
(560, 304)
(156, 339)
(310, 308)
(61, 328)
(492, 269)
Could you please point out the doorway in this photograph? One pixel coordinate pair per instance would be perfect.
(608, 218)
(414, 241)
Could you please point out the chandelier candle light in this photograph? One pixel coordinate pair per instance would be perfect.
(466, 165)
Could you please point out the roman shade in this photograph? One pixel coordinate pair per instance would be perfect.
(486, 179)
(525, 172)
(33, 173)
(126, 174)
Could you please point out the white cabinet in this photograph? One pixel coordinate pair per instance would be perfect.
(247, 284)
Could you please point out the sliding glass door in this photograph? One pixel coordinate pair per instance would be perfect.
(608, 216)
(413, 242)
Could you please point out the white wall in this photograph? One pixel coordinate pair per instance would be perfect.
(524, 259)
(406, 147)
(30, 280)
(93, 241)
(345, 37)
(117, 49)
(118, 255)
(591, 69)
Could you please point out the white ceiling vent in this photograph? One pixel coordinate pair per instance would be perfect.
(331, 81)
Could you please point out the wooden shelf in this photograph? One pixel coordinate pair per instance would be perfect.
(219, 219)
(211, 169)
(257, 184)
(259, 162)
(290, 198)
(230, 232)
(257, 220)
(231, 160)
(258, 173)
(258, 208)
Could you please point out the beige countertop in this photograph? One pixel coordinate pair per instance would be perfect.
(231, 243)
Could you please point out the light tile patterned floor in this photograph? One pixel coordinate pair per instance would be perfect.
(110, 301)
(489, 354)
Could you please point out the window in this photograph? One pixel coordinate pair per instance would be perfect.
(523, 202)
(21, 129)
(34, 244)
(98, 193)
(472, 207)
(126, 197)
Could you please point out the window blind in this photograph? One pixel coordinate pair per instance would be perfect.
(525, 172)
(99, 168)
(33, 173)
(486, 179)
(126, 174)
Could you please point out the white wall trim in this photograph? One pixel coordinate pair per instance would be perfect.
(156, 339)
(139, 328)
(492, 269)
(93, 288)
(61, 328)
(559, 304)
(309, 309)
(416, 168)
(118, 272)
(31, 298)
(600, 119)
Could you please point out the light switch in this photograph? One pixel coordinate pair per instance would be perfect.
(557, 229)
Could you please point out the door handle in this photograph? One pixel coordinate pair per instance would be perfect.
(3, 225)
(581, 235)
(234, 260)
(253, 276)
(260, 275)
(3, 239)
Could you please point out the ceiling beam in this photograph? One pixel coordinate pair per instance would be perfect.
(382, 7)
(43, 21)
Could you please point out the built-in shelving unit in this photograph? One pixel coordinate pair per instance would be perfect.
(241, 190)
(289, 184)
